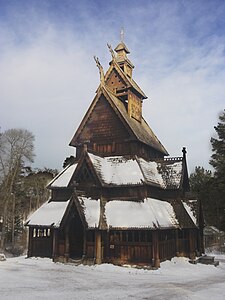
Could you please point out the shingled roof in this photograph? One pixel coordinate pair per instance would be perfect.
(140, 130)
(127, 171)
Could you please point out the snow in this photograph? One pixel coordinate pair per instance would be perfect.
(64, 177)
(117, 170)
(49, 214)
(151, 173)
(40, 278)
(91, 209)
(151, 213)
(190, 212)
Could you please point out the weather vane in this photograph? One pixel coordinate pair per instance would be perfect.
(122, 34)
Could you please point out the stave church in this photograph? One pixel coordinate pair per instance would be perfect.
(121, 199)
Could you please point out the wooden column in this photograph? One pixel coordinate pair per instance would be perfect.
(177, 243)
(192, 243)
(107, 245)
(155, 249)
(67, 245)
(84, 244)
(54, 244)
(98, 247)
(30, 245)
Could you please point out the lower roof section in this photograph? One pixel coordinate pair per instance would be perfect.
(151, 213)
(115, 214)
(50, 214)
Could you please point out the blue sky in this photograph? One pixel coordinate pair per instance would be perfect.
(48, 76)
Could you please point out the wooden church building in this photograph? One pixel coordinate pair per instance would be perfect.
(121, 199)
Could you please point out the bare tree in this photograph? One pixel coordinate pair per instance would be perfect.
(16, 148)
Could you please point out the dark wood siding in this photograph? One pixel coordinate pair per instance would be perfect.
(103, 126)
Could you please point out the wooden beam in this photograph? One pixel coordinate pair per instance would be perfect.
(98, 242)
(155, 250)
(30, 244)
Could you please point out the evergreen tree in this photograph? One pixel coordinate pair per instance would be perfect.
(218, 162)
(201, 184)
(218, 148)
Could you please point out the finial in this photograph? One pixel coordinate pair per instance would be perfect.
(184, 151)
(122, 35)
(101, 71)
(111, 51)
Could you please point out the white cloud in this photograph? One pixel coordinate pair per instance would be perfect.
(48, 75)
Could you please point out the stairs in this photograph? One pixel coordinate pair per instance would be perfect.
(206, 260)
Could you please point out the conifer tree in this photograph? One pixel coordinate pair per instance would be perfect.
(218, 162)
(218, 148)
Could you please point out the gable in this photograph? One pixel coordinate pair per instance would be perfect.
(115, 81)
(84, 175)
(130, 83)
(102, 124)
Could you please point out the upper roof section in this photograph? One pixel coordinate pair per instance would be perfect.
(122, 171)
(124, 67)
(139, 131)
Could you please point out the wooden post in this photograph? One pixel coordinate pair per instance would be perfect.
(155, 249)
(107, 245)
(177, 243)
(192, 243)
(30, 244)
(84, 244)
(54, 244)
(98, 247)
(67, 248)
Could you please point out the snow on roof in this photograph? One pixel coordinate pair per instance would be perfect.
(49, 214)
(171, 173)
(91, 209)
(64, 177)
(190, 212)
(120, 170)
(151, 173)
(151, 213)
(117, 170)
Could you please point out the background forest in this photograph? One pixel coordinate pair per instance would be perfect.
(22, 189)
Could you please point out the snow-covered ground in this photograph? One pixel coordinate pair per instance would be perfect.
(40, 278)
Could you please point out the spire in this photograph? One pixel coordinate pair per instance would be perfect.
(121, 57)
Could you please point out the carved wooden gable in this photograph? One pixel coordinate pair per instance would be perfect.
(102, 125)
(85, 176)
(115, 82)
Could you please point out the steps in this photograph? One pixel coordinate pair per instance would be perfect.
(206, 260)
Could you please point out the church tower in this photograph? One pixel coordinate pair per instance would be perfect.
(113, 124)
